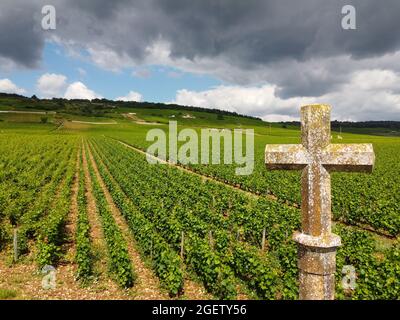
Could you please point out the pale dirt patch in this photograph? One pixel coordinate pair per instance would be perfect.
(89, 122)
(137, 120)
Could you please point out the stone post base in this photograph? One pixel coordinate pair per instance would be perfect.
(317, 266)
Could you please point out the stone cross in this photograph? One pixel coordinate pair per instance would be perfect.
(317, 157)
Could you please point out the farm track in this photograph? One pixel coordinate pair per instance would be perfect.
(380, 235)
(193, 290)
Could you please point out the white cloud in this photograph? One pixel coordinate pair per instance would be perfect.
(7, 86)
(108, 59)
(351, 86)
(78, 90)
(131, 96)
(279, 118)
(376, 79)
(51, 85)
(368, 95)
(257, 101)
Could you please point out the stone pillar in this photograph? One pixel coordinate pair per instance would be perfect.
(317, 266)
(317, 157)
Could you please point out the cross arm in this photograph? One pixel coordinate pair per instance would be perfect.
(349, 157)
(286, 156)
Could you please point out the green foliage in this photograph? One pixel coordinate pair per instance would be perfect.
(48, 253)
(377, 278)
(7, 294)
(165, 196)
(357, 198)
(217, 276)
(159, 203)
(30, 176)
(84, 255)
(165, 262)
(50, 230)
(120, 263)
(261, 272)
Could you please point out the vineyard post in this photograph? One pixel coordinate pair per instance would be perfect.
(317, 157)
(182, 243)
(263, 240)
(210, 236)
(15, 245)
(151, 249)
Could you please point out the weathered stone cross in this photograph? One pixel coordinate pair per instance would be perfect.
(317, 158)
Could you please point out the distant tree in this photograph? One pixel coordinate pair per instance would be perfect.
(34, 97)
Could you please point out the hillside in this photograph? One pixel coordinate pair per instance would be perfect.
(102, 110)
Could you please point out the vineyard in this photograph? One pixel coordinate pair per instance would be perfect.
(371, 201)
(84, 202)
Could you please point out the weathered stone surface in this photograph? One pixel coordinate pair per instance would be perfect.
(323, 287)
(317, 158)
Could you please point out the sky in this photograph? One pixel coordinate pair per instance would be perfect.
(263, 58)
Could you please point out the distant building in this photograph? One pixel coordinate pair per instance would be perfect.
(188, 116)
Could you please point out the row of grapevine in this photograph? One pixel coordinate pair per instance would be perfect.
(164, 196)
(165, 262)
(217, 277)
(120, 263)
(51, 230)
(212, 264)
(27, 168)
(222, 228)
(84, 254)
(358, 199)
(30, 221)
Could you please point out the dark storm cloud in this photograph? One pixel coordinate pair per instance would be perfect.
(245, 34)
(101, 9)
(21, 41)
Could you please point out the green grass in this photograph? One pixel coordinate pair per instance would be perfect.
(73, 117)
(6, 294)
(25, 117)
